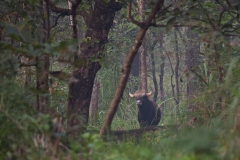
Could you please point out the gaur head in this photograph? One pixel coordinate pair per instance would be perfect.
(140, 96)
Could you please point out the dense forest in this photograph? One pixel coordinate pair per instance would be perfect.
(73, 73)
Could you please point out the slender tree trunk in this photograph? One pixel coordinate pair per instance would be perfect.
(70, 17)
(218, 64)
(192, 61)
(94, 103)
(1, 33)
(236, 126)
(154, 71)
(42, 67)
(161, 77)
(219, 105)
(142, 51)
(177, 96)
(161, 83)
(172, 83)
(28, 77)
(154, 77)
(135, 71)
(143, 69)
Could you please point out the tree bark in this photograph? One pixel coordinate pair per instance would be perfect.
(126, 69)
(99, 22)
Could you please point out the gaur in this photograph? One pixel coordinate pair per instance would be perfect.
(148, 112)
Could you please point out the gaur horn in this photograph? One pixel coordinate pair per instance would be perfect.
(149, 93)
(131, 95)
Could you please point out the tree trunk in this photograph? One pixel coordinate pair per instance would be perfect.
(1, 33)
(70, 17)
(42, 66)
(28, 77)
(172, 83)
(135, 71)
(142, 51)
(94, 103)
(98, 22)
(154, 70)
(219, 68)
(161, 77)
(177, 96)
(217, 58)
(192, 61)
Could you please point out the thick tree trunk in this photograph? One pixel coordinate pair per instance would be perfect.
(98, 22)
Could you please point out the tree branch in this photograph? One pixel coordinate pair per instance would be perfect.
(56, 20)
(64, 11)
(131, 19)
(58, 9)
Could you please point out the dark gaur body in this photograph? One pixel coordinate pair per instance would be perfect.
(148, 112)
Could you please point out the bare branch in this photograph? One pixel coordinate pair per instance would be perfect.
(56, 20)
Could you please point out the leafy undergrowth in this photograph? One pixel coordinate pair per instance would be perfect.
(37, 141)
(186, 144)
(27, 135)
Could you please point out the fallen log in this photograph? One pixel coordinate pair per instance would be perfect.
(133, 133)
(138, 133)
